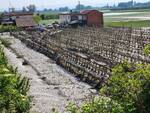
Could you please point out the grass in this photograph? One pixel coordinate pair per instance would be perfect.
(46, 22)
(8, 28)
(128, 18)
(131, 10)
(135, 24)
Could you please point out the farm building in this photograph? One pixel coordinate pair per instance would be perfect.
(86, 17)
(20, 19)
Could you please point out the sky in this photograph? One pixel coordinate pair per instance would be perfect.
(41, 4)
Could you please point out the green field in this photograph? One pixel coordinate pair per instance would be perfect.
(46, 22)
(135, 24)
(128, 18)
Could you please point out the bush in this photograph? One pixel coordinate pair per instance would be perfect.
(37, 18)
(49, 16)
(129, 86)
(147, 49)
(8, 28)
(97, 105)
(102, 105)
(126, 91)
(13, 89)
(5, 42)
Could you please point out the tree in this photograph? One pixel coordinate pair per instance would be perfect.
(12, 9)
(24, 9)
(88, 7)
(42, 16)
(37, 18)
(125, 4)
(80, 7)
(62, 9)
(31, 8)
(1, 15)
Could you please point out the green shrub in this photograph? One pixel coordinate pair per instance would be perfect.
(98, 105)
(126, 91)
(8, 28)
(5, 42)
(49, 16)
(147, 49)
(37, 18)
(102, 105)
(3, 59)
(13, 89)
(129, 87)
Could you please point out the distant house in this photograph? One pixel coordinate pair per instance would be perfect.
(86, 17)
(20, 19)
(25, 21)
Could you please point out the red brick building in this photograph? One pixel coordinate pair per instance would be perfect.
(86, 17)
(93, 17)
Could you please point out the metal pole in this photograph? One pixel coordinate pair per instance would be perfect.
(79, 6)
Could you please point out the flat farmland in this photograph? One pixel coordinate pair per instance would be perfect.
(134, 18)
(50, 21)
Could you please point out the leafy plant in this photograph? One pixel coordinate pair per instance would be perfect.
(129, 87)
(37, 18)
(97, 105)
(147, 49)
(8, 28)
(126, 91)
(5, 42)
(13, 89)
(72, 108)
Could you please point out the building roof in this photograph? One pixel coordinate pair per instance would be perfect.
(84, 12)
(6, 22)
(89, 11)
(25, 21)
(73, 13)
(18, 13)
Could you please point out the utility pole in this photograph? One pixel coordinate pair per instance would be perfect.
(9, 6)
(132, 3)
(79, 6)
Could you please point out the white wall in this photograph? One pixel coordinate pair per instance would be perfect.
(64, 18)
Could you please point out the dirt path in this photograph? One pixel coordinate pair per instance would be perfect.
(51, 86)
